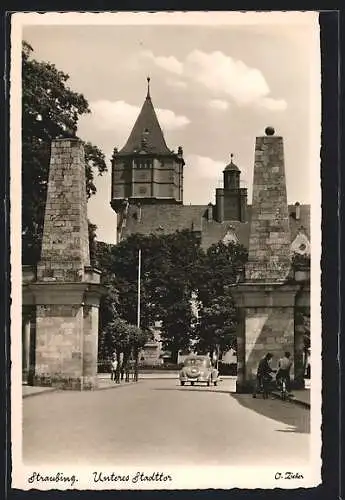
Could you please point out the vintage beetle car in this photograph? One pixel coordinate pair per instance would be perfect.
(198, 369)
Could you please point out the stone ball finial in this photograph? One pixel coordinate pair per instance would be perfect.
(269, 131)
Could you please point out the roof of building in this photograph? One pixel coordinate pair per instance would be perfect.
(146, 134)
(231, 165)
(168, 218)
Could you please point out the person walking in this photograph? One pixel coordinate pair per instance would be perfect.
(263, 376)
(113, 368)
(118, 373)
(283, 372)
(127, 370)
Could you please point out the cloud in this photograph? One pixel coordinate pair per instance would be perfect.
(202, 176)
(170, 121)
(177, 83)
(273, 104)
(223, 76)
(109, 115)
(205, 167)
(169, 63)
(218, 104)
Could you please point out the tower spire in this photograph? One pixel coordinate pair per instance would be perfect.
(148, 88)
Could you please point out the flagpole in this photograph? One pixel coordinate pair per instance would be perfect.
(139, 278)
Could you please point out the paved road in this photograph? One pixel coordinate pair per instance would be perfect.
(156, 421)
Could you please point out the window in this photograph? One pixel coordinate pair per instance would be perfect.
(141, 164)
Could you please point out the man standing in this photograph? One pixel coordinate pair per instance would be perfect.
(263, 376)
(284, 367)
(113, 368)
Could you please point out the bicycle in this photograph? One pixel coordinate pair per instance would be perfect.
(282, 388)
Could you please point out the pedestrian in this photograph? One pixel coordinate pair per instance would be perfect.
(127, 370)
(135, 370)
(263, 376)
(117, 373)
(283, 372)
(113, 369)
(131, 368)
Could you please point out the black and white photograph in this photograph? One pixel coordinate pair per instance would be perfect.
(165, 250)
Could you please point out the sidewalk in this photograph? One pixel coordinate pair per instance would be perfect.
(103, 383)
(300, 397)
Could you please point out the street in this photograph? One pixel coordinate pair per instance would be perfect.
(157, 421)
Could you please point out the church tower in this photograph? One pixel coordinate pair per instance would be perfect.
(145, 170)
(231, 200)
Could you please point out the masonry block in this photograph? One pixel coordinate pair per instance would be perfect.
(269, 242)
(67, 290)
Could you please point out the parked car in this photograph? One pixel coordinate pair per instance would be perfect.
(198, 369)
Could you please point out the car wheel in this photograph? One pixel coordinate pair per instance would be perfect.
(192, 383)
(182, 383)
(215, 382)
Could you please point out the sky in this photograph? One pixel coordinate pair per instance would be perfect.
(215, 88)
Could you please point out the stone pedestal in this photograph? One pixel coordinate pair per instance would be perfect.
(266, 325)
(66, 334)
(67, 290)
(266, 300)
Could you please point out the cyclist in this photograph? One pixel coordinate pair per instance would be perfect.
(283, 372)
(263, 376)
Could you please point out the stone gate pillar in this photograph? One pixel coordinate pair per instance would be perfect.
(266, 298)
(67, 289)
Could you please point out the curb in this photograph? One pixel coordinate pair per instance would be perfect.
(292, 400)
(56, 389)
(39, 393)
(116, 386)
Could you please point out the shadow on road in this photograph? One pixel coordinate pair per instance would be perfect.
(297, 419)
(190, 389)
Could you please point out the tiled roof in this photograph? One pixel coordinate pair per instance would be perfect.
(168, 218)
(146, 125)
(163, 218)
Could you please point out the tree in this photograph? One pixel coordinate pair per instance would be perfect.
(166, 284)
(50, 109)
(123, 338)
(177, 328)
(174, 267)
(222, 266)
(216, 329)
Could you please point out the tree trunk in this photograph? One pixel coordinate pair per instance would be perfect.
(211, 351)
(118, 368)
(136, 364)
(174, 356)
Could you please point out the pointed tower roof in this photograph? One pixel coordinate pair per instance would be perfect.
(146, 134)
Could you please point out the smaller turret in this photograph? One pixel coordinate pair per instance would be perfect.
(231, 200)
(231, 175)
